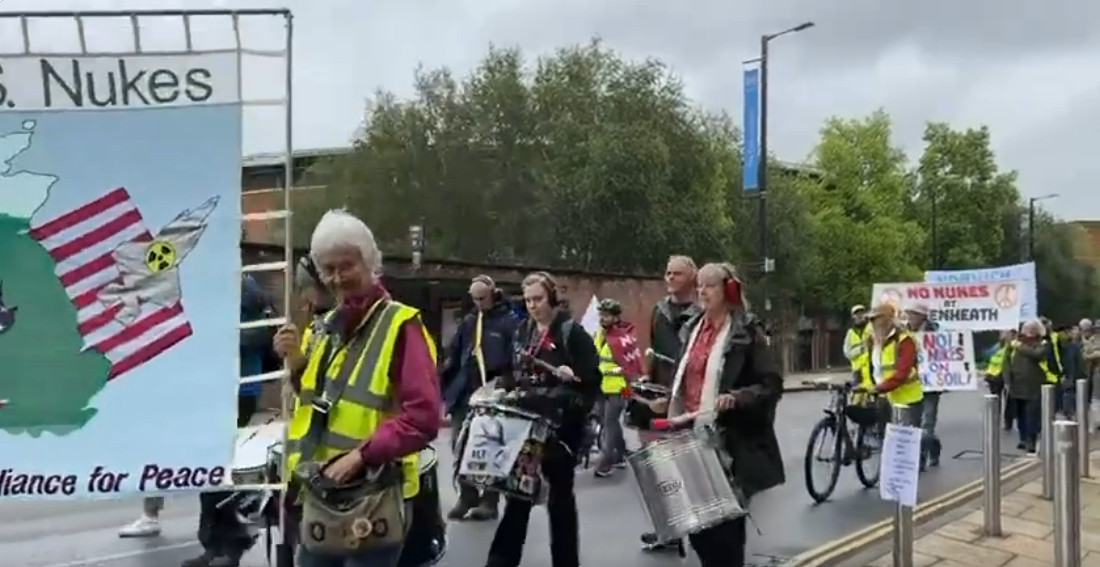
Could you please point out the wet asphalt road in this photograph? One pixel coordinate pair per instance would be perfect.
(85, 533)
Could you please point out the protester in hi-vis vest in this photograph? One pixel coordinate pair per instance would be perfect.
(994, 375)
(1024, 375)
(917, 322)
(855, 340)
(620, 363)
(891, 367)
(1052, 366)
(366, 383)
(479, 352)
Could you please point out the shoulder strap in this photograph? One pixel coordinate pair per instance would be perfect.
(327, 393)
(566, 331)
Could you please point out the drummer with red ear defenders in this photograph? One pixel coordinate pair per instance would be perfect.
(560, 354)
(726, 370)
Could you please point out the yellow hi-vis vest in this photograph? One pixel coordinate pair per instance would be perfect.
(366, 401)
(911, 391)
(613, 379)
(997, 362)
(855, 347)
(1052, 376)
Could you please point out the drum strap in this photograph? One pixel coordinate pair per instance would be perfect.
(332, 390)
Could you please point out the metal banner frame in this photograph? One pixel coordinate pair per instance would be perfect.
(185, 17)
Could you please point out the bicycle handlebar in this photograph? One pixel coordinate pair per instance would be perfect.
(829, 386)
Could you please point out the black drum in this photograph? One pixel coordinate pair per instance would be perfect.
(638, 413)
(427, 539)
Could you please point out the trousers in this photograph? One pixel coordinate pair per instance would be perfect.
(612, 441)
(220, 530)
(721, 546)
(561, 507)
(1028, 420)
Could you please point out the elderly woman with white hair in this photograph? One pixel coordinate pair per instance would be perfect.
(1024, 377)
(367, 393)
(726, 371)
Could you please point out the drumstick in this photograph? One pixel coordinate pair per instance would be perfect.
(659, 356)
(547, 367)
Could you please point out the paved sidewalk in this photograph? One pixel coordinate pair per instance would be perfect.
(1028, 527)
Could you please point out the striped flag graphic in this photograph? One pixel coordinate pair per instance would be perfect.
(81, 243)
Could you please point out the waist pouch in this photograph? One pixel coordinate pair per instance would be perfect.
(345, 519)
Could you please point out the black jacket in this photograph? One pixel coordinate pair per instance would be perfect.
(577, 351)
(459, 374)
(664, 336)
(749, 373)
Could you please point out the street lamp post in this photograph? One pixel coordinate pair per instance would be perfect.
(1031, 223)
(762, 171)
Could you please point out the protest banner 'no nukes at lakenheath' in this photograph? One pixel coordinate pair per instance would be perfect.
(979, 306)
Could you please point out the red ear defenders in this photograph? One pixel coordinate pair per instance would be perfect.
(732, 288)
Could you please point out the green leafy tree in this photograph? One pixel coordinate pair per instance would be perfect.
(958, 171)
(859, 201)
(583, 159)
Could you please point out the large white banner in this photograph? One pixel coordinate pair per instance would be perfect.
(985, 306)
(1024, 273)
(945, 361)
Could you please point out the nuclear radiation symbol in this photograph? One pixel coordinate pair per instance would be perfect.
(160, 256)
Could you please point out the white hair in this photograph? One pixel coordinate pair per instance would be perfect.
(1033, 328)
(339, 229)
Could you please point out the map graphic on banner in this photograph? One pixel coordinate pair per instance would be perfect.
(1024, 273)
(119, 261)
(957, 307)
(945, 361)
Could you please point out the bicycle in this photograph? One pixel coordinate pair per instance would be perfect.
(842, 450)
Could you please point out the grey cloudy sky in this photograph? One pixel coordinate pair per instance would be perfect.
(1030, 70)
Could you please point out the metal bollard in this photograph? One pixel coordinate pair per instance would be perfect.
(1046, 438)
(1083, 427)
(1067, 500)
(991, 456)
(903, 515)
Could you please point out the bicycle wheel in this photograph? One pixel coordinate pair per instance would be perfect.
(824, 447)
(868, 457)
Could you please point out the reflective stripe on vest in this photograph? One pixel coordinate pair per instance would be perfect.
(996, 362)
(1051, 376)
(366, 400)
(911, 391)
(613, 379)
(853, 339)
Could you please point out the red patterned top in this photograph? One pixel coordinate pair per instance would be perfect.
(695, 372)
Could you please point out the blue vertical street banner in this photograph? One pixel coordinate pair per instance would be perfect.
(750, 151)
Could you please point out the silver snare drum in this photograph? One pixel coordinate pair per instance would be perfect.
(683, 486)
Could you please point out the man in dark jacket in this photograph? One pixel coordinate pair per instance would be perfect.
(669, 316)
(479, 352)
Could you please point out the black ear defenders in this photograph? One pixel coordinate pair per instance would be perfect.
(551, 288)
(498, 295)
(306, 263)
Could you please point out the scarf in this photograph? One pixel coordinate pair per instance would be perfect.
(716, 360)
(624, 349)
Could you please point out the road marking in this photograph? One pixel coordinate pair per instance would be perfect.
(870, 535)
(127, 555)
